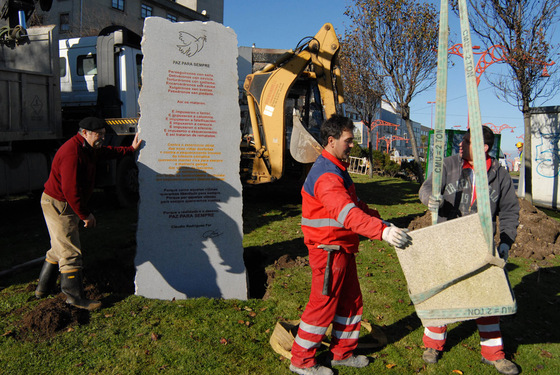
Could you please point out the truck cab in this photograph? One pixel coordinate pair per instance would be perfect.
(101, 76)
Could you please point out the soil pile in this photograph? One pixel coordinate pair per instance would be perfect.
(285, 261)
(108, 282)
(538, 236)
(50, 317)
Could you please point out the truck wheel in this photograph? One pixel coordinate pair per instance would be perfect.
(127, 182)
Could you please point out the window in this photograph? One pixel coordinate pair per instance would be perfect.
(172, 18)
(64, 22)
(117, 4)
(146, 11)
(139, 69)
(62, 65)
(87, 65)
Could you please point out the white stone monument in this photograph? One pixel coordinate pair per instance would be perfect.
(190, 215)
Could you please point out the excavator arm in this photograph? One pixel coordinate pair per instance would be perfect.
(268, 91)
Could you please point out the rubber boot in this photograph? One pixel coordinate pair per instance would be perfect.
(72, 287)
(47, 279)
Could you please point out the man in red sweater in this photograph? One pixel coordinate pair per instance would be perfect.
(64, 203)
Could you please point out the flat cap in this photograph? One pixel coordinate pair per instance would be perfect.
(92, 123)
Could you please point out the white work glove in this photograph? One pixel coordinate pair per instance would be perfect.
(396, 237)
(503, 251)
(435, 203)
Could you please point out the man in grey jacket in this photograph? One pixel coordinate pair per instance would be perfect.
(458, 198)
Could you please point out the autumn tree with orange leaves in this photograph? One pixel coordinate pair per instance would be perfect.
(399, 38)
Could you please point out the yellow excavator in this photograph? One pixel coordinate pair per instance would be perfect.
(287, 101)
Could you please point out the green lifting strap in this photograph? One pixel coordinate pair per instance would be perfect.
(481, 176)
(441, 103)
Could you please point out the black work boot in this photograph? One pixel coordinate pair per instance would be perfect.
(72, 287)
(47, 279)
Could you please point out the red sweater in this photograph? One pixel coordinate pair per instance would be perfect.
(72, 175)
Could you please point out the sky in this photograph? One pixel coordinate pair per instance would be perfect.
(282, 23)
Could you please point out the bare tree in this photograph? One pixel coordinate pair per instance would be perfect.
(523, 28)
(401, 35)
(363, 85)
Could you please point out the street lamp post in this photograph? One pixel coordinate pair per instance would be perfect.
(432, 114)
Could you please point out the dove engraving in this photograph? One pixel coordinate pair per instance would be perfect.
(191, 44)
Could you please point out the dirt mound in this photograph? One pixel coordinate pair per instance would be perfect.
(421, 222)
(53, 315)
(49, 317)
(285, 261)
(538, 236)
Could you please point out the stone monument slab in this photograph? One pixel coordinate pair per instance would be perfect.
(189, 238)
(452, 276)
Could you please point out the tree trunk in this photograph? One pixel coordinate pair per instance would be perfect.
(370, 152)
(527, 155)
(412, 139)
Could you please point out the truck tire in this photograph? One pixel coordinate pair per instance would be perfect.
(127, 182)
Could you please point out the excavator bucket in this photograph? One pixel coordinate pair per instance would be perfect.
(303, 147)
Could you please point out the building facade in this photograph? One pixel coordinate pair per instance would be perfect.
(393, 135)
(388, 138)
(76, 18)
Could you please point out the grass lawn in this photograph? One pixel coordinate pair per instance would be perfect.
(135, 335)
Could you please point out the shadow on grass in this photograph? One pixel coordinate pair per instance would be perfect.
(401, 328)
(258, 201)
(538, 303)
(383, 192)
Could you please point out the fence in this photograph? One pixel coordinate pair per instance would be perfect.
(358, 165)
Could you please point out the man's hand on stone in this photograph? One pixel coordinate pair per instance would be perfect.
(503, 251)
(396, 237)
(90, 221)
(435, 203)
(136, 143)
